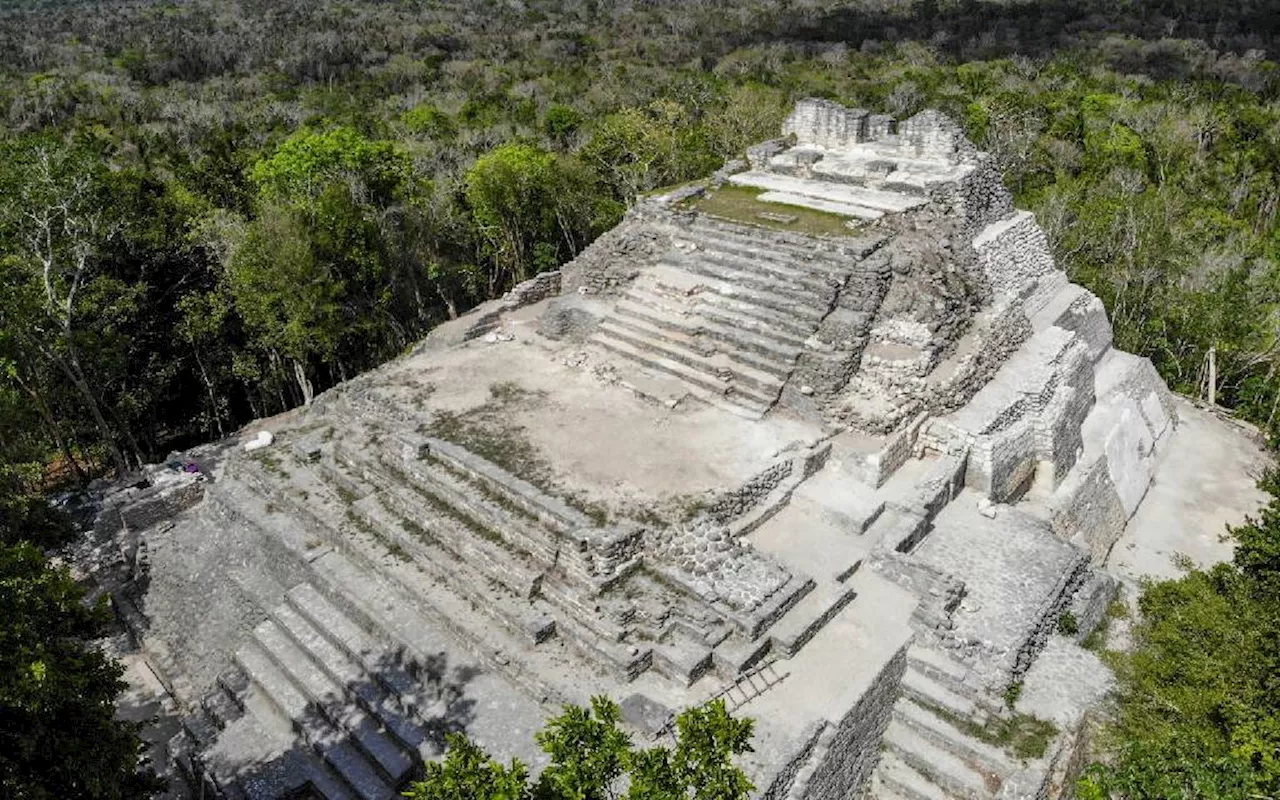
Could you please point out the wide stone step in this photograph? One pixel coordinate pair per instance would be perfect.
(892, 202)
(374, 656)
(752, 240)
(751, 279)
(330, 700)
(930, 693)
(337, 751)
(732, 311)
(773, 327)
(677, 281)
(902, 780)
(978, 754)
(716, 367)
(548, 509)
(640, 321)
(700, 385)
(818, 204)
(786, 271)
(423, 529)
(464, 516)
(346, 671)
(782, 345)
(730, 321)
(421, 624)
(803, 621)
(754, 351)
(484, 583)
(940, 766)
(939, 667)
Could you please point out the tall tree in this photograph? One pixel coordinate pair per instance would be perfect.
(58, 734)
(54, 220)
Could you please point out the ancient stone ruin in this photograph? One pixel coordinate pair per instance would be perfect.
(828, 436)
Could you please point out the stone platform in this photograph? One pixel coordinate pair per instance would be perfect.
(845, 468)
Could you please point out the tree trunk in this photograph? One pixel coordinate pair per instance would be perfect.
(51, 424)
(213, 398)
(72, 370)
(308, 393)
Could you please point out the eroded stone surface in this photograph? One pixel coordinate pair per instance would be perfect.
(850, 483)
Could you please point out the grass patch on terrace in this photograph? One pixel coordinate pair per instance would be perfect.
(488, 432)
(1023, 735)
(742, 204)
(391, 545)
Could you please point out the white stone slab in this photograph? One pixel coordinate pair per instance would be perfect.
(818, 204)
(823, 190)
(1153, 410)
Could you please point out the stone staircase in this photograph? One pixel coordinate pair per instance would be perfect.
(726, 312)
(927, 755)
(510, 564)
(320, 700)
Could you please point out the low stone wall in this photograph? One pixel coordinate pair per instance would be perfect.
(875, 468)
(736, 502)
(539, 287)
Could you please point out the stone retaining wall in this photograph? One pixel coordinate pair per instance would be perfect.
(736, 502)
(843, 763)
(160, 503)
(539, 287)
(1013, 252)
(614, 259)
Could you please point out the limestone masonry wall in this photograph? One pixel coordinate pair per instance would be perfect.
(980, 197)
(847, 751)
(826, 124)
(936, 136)
(539, 287)
(1013, 252)
(613, 260)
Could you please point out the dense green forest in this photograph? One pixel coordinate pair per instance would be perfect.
(210, 210)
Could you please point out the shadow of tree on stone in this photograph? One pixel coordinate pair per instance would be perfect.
(411, 704)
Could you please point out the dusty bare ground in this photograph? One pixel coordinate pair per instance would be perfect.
(600, 439)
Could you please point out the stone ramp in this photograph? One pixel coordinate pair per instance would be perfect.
(725, 313)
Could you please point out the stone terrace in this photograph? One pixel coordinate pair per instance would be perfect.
(848, 481)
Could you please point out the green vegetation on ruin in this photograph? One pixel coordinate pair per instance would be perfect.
(1198, 709)
(741, 204)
